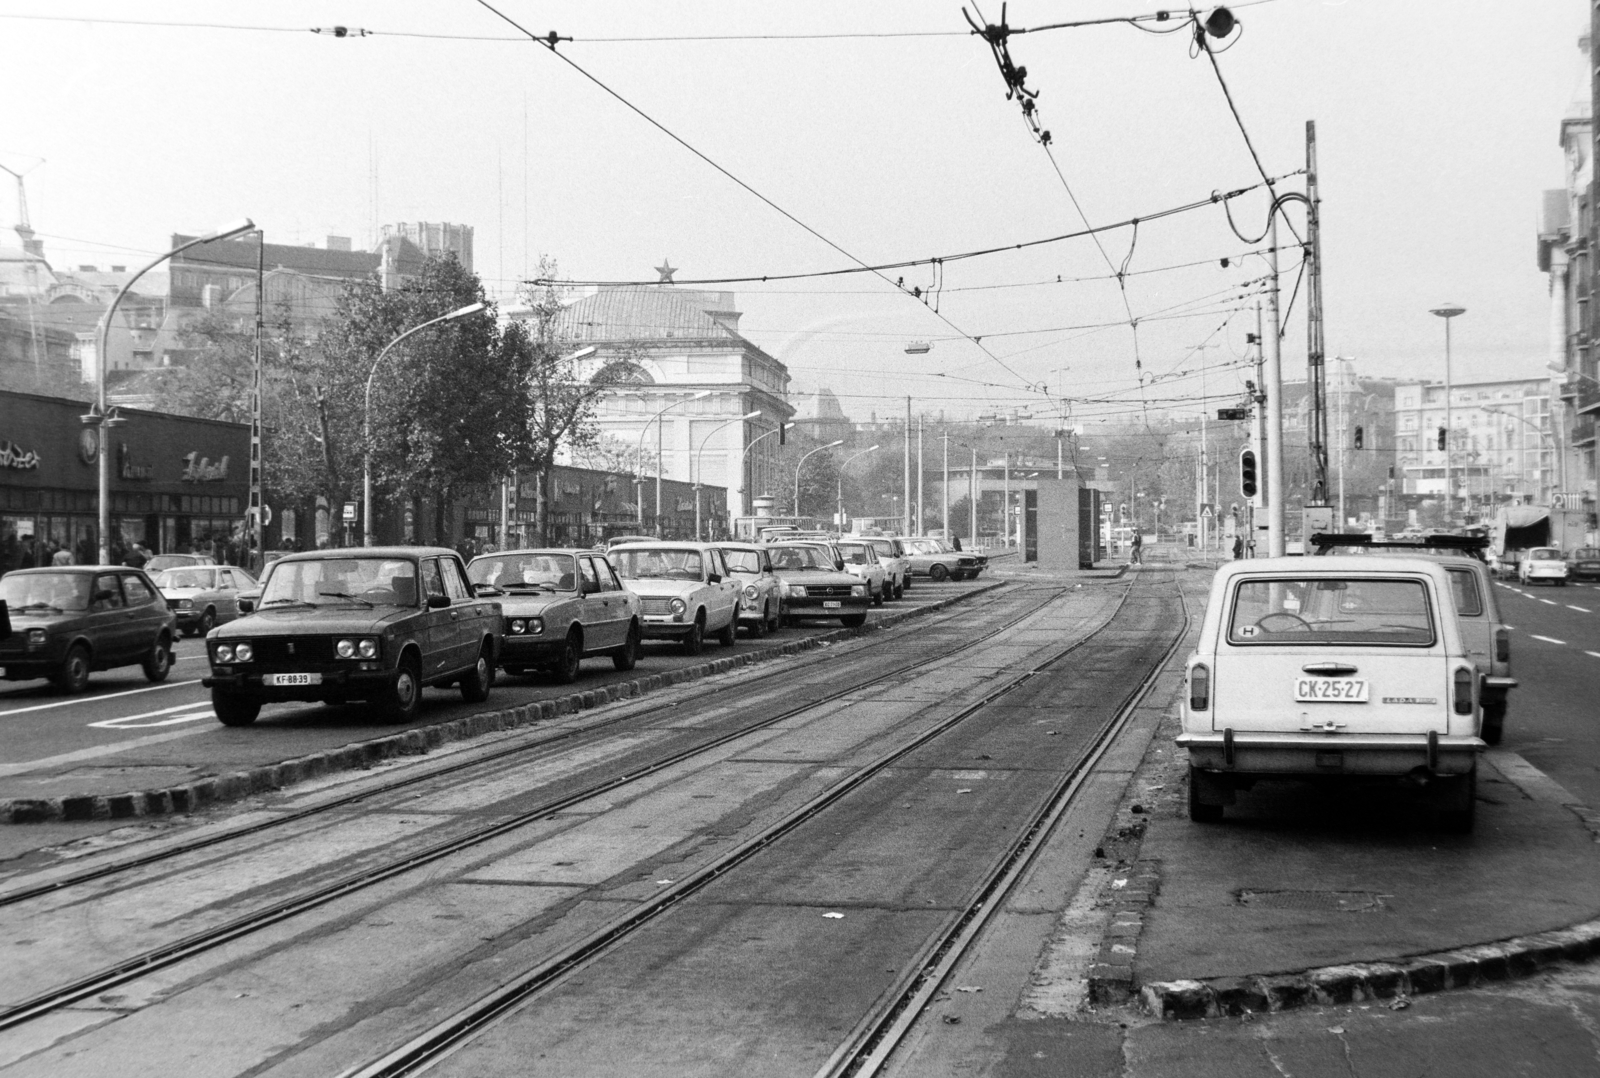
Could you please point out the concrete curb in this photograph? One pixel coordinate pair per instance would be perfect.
(214, 789)
(1462, 967)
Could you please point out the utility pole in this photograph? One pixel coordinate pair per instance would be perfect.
(1274, 390)
(1316, 368)
(1258, 431)
(257, 559)
(944, 496)
(920, 485)
(905, 509)
(972, 499)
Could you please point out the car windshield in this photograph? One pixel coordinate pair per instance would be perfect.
(45, 591)
(1544, 554)
(170, 561)
(326, 581)
(855, 555)
(923, 546)
(742, 561)
(186, 578)
(672, 563)
(1317, 611)
(517, 572)
(801, 559)
(884, 548)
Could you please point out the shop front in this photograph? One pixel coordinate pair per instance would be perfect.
(178, 485)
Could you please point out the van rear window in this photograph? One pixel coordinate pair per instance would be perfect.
(1464, 589)
(1323, 610)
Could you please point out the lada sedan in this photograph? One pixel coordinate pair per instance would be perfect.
(67, 621)
(368, 623)
(684, 590)
(205, 596)
(1336, 668)
(812, 586)
(893, 556)
(559, 606)
(760, 605)
(933, 559)
(1543, 564)
(861, 560)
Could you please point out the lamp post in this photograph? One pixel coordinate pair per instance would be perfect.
(104, 417)
(744, 459)
(699, 466)
(1447, 312)
(800, 465)
(839, 494)
(638, 483)
(366, 414)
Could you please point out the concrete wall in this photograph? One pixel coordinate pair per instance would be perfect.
(1058, 523)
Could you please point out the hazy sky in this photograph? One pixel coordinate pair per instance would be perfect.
(1437, 123)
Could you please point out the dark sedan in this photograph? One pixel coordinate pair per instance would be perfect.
(69, 620)
(1584, 564)
(371, 623)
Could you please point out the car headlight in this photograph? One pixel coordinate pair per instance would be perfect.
(677, 606)
(345, 649)
(223, 654)
(519, 625)
(185, 604)
(364, 648)
(37, 638)
(228, 653)
(798, 591)
(859, 589)
(367, 649)
(243, 653)
(750, 591)
(535, 626)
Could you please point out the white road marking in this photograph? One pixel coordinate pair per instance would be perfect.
(162, 717)
(97, 699)
(1579, 609)
(100, 750)
(1596, 654)
(1548, 639)
(1549, 602)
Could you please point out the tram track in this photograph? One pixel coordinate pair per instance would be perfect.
(873, 1039)
(477, 760)
(173, 953)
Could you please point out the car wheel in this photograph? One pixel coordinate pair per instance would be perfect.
(758, 627)
(232, 710)
(73, 677)
(853, 621)
(626, 656)
(728, 635)
(1494, 722)
(476, 685)
(158, 664)
(570, 663)
(208, 621)
(694, 641)
(899, 591)
(938, 573)
(1459, 821)
(1199, 811)
(877, 600)
(402, 698)
(775, 619)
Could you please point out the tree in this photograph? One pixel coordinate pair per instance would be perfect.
(560, 407)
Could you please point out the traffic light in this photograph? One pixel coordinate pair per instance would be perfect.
(1247, 473)
(1441, 438)
(1359, 433)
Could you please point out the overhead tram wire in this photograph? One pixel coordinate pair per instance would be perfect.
(550, 46)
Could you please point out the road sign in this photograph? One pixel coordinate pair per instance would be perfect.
(349, 512)
(1233, 413)
(1207, 513)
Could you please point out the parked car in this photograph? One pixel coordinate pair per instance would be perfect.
(163, 562)
(619, 540)
(935, 560)
(1336, 669)
(893, 556)
(1584, 564)
(760, 604)
(861, 560)
(204, 596)
(367, 623)
(559, 606)
(1543, 563)
(67, 621)
(812, 585)
(684, 590)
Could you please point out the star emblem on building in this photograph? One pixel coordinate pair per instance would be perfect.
(666, 269)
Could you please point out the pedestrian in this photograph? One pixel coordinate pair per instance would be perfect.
(1238, 547)
(1137, 549)
(135, 557)
(61, 557)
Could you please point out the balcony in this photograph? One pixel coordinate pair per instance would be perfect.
(1585, 396)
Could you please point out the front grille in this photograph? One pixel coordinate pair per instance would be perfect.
(655, 606)
(275, 649)
(172, 604)
(828, 591)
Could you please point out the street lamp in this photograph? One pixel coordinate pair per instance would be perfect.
(366, 415)
(839, 494)
(800, 465)
(104, 417)
(1447, 312)
(638, 482)
(699, 466)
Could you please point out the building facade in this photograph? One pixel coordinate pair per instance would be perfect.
(1500, 442)
(683, 378)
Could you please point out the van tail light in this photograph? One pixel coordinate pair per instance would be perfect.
(1463, 690)
(1502, 645)
(1199, 688)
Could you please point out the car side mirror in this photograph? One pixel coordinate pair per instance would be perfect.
(435, 602)
(713, 578)
(247, 606)
(839, 565)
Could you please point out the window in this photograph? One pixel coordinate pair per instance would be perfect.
(1464, 589)
(608, 576)
(107, 595)
(455, 581)
(1318, 611)
(134, 588)
(432, 579)
(591, 579)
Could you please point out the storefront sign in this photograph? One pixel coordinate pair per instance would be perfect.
(198, 469)
(126, 467)
(13, 456)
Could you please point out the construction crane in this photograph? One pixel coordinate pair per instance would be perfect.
(31, 255)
